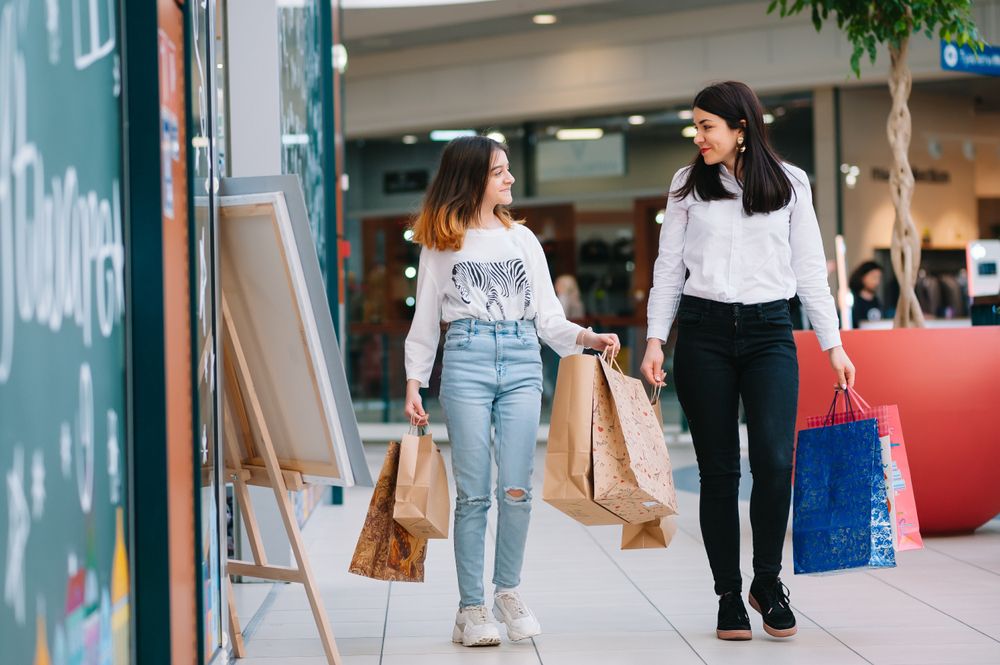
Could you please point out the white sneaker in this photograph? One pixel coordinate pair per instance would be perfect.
(520, 621)
(473, 628)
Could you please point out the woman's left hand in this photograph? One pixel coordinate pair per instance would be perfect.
(843, 367)
(603, 341)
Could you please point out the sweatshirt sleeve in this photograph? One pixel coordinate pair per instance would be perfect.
(809, 264)
(425, 329)
(553, 327)
(668, 271)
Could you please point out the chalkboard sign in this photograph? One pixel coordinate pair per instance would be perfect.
(63, 559)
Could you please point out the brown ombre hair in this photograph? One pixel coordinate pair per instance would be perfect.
(455, 196)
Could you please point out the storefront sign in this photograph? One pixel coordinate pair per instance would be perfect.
(965, 59)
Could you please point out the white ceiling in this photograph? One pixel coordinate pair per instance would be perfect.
(378, 30)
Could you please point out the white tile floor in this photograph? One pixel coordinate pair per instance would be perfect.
(598, 604)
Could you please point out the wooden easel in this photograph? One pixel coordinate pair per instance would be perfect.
(240, 405)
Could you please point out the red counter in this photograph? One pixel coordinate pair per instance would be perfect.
(947, 385)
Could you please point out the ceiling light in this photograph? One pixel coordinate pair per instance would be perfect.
(497, 136)
(449, 134)
(580, 134)
(689, 132)
(544, 19)
(686, 114)
(409, 139)
(768, 118)
(637, 120)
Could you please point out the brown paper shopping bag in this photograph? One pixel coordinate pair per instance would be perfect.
(385, 550)
(632, 473)
(423, 500)
(649, 535)
(568, 468)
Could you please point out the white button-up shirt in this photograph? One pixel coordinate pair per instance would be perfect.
(735, 258)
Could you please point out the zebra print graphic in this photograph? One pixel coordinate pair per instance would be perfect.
(497, 283)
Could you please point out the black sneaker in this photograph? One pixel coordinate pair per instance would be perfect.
(770, 598)
(734, 624)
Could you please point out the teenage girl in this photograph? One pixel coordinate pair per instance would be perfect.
(484, 274)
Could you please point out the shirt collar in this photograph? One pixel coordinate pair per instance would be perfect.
(728, 178)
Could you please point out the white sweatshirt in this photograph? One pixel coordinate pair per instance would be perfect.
(498, 275)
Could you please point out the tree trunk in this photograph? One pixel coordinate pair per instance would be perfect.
(905, 248)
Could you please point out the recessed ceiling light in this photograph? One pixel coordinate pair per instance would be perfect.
(580, 134)
(497, 136)
(409, 139)
(449, 134)
(686, 114)
(637, 120)
(689, 132)
(768, 118)
(544, 19)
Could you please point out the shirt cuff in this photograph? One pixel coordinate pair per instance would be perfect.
(828, 339)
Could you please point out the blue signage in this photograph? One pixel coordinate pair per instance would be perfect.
(964, 59)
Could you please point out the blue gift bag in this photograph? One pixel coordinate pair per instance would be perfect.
(841, 510)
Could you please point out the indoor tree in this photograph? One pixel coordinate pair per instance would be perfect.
(869, 24)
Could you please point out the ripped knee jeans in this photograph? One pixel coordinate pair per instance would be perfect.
(491, 387)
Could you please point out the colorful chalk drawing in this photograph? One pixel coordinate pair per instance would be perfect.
(62, 341)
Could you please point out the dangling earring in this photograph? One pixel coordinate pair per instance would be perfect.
(739, 142)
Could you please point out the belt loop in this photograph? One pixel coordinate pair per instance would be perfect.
(474, 327)
(760, 311)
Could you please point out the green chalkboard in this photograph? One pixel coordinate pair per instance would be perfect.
(63, 560)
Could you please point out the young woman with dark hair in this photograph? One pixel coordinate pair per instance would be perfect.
(485, 274)
(742, 222)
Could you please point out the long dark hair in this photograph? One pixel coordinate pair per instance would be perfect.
(456, 194)
(766, 186)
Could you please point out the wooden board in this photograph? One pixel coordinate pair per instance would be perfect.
(274, 308)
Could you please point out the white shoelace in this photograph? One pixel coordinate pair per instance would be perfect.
(477, 614)
(512, 601)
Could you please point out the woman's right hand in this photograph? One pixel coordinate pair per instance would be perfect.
(652, 363)
(415, 413)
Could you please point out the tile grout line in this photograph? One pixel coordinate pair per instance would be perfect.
(385, 623)
(823, 628)
(967, 563)
(643, 593)
(936, 609)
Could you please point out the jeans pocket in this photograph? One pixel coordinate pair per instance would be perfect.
(779, 319)
(530, 340)
(689, 318)
(457, 340)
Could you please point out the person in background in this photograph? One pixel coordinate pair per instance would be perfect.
(742, 222)
(864, 285)
(485, 274)
(568, 292)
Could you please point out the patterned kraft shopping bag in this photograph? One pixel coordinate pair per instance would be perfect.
(632, 473)
(569, 470)
(840, 519)
(385, 550)
(423, 499)
(906, 525)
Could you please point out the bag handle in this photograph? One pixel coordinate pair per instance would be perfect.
(859, 399)
(611, 361)
(654, 394)
(421, 430)
(831, 414)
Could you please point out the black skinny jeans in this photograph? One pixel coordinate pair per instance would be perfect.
(724, 352)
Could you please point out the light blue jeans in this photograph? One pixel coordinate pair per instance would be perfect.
(491, 376)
